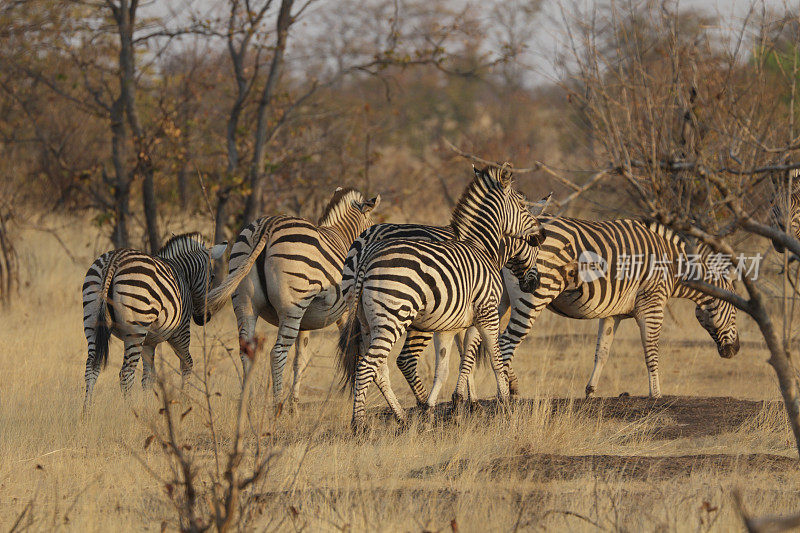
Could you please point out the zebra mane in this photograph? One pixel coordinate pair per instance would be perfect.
(489, 178)
(342, 198)
(182, 243)
(665, 231)
(682, 241)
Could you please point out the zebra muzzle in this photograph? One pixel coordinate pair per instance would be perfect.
(728, 350)
(530, 281)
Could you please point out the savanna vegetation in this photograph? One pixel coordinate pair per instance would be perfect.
(123, 123)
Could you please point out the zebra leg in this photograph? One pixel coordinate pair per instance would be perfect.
(513, 382)
(180, 343)
(443, 343)
(288, 330)
(148, 366)
(519, 325)
(382, 337)
(650, 329)
(488, 324)
(133, 352)
(465, 386)
(93, 366)
(301, 357)
(416, 341)
(605, 336)
(247, 331)
(382, 380)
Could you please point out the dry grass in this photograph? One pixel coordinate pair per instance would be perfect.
(528, 470)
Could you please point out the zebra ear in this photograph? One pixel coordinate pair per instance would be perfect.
(505, 174)
(537, 208)
(476, 171)
(369, 205)
(218, 250)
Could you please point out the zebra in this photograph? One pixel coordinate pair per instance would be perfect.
(148, 299)
(447, 286)
(784, 203)
(569, 289)
(295, 284)
(515, 254)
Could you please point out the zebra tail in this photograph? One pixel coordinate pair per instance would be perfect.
(350, 337)
(103, 329)
(218, 296)
(347, 354)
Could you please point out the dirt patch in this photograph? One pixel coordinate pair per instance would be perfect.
(547, 467)
(675, 416)
(672, 417)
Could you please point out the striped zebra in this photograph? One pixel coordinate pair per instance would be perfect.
(643, 266)
(514, 254)
(295, 284)
(145, 300)
(784, 203)
(405, 284)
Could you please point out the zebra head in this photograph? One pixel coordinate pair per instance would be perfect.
(192, 259)
(489, 210)
(522, 262)
(348, 211)
(718, 317)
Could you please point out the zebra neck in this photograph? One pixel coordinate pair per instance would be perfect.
(689, 293)
(348, 225)
(486, 239)
(344, 234)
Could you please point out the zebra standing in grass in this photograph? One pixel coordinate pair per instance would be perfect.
(637, 268)
(515, 254)
(295, 284)
(405, 284)
(145, 300)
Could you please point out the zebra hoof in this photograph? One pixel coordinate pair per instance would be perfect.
(359, 428)
(291, 405)
(459, 406)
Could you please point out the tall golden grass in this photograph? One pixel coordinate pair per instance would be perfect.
(59, 472)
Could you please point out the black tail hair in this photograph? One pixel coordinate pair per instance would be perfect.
(348, 351)
(102, 331)
(102, 335)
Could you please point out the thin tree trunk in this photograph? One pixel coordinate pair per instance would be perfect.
(150, 210)
(781, 362)
(119, 140)
(221, 217)
(253, 205)
(125, 16)
(9, 269)
(183, 186)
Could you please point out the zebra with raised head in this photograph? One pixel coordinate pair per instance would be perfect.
(515, 254)
(148, 299)
(295, 284)
(406, 284)
(637, 267)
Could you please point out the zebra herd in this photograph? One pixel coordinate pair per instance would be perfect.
(500, 255)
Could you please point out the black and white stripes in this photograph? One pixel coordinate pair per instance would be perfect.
(405, 284)
(145, 300)
(295, 283)
(626, 290)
